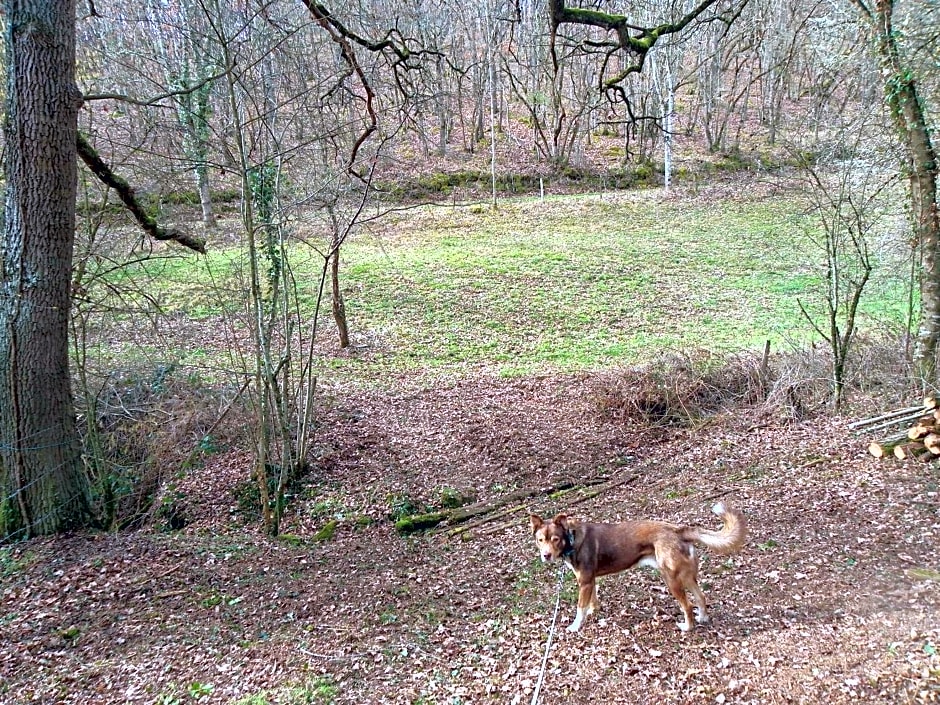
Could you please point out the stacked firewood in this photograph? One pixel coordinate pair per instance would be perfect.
(918, 437)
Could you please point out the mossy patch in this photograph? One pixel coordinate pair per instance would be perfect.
(419, 522)
(290, 539)
(327, 532)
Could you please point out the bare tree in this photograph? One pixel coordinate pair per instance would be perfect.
(190, 69)
(849, 188)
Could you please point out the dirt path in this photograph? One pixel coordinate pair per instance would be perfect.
(835, 599)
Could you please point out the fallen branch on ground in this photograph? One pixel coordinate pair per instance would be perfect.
(586, 492)
(424, 522)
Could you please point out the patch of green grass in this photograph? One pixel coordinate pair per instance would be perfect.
(450, 498)
(168, 698)
(70, 634)
(211, 601)
(291, 539)
(568, 283)
(320, 690)
(12, 562)
(199, 690)
(256, 699)
(402, 505)
(924, 574)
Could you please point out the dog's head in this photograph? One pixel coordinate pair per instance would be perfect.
(553, 537)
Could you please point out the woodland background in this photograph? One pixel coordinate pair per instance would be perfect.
(266, 415)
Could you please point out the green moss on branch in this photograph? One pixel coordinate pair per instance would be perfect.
(419, 522)
(98, 167)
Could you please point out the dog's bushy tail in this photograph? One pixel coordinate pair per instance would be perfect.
(731, 537)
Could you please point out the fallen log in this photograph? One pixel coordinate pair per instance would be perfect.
(932, 443)
(925, 424)
(911, 451)
(493, 517)
(892, 422)
(423, 522)
(891, 417)
(610, 485)
(464, 532)
(474, 510)
(884, 448)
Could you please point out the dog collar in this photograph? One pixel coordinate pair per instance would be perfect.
(569, 539)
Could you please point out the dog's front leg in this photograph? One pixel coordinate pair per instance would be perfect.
(587, 601)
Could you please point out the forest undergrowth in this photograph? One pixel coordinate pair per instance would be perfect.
(832, 600)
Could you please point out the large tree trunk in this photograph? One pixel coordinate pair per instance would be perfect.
(42, 485)
(920, 160)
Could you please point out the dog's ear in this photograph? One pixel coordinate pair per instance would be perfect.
(535, 521)
(561, 520)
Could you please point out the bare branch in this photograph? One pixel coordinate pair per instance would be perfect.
(339, 34)
(632, 39)
(98, 167)
(156, 99)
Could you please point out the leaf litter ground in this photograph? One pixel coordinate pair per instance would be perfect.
(834, 600)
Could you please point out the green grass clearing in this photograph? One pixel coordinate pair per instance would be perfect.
(566, 284)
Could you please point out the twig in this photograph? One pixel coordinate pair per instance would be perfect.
(161, 576)
(710, 497)
(599, 490)
(346, 657)
(487, 519)
(494, 530)
(168, 593)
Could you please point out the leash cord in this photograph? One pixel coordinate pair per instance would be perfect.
(548, 644)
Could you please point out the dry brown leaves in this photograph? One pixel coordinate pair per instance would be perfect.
(834, 600)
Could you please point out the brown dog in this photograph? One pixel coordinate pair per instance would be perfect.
(592, 550)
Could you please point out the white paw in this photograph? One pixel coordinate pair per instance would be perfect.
(574, 626)
(702, 619)
(684, 626)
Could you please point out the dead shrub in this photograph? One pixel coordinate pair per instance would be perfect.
(145, 431)
(802, 384)
(679, 388)
(879, 375)
(881, 370)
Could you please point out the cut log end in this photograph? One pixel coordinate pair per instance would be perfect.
(932, 443)
(911, 451)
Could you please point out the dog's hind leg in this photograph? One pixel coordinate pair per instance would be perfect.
(677, 588)
(701, 609)
(687, 574)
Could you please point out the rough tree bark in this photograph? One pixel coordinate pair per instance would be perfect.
(920, 163)
(42, 485)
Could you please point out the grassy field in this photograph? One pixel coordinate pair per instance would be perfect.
(566, 283)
